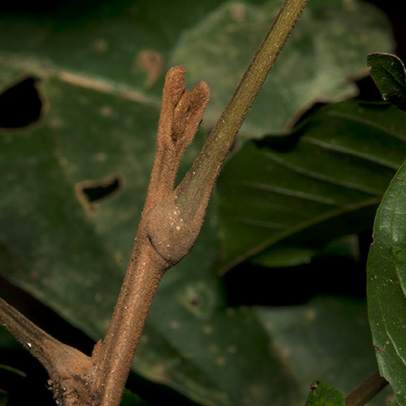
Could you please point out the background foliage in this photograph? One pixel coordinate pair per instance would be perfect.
(78, 113)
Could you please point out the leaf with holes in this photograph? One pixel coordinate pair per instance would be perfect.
(75, 172)
(71, 250)
(126, 47)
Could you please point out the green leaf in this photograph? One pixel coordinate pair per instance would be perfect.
(334, 343)
(323, 394)
(102, 66)
(127, 46)
(387, 287)
(328, 44)
(285, 256)
(389, 75)
(303, 194)
(13, 370)
(72, 253)
(130, 399)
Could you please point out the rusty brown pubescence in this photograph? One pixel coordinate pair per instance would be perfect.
(75, 378)
(169, 225)
(181, 114)
(163, 236)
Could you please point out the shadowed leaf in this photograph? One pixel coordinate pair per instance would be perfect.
(389, 75)
(387, 286)
(327, 185)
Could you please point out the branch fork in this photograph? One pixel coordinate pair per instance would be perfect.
(171, 234)
(170, 223)
(163, 238)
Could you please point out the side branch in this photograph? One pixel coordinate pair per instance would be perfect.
(172, 219)
(169, 225)
(195, 189)
(156, 246)
(69, 369)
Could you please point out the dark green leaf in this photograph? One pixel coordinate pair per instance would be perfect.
(334, 342)
(389, 75)
(285, 256)
(13, 370)
(130, 399)
(323, 394)
(71, 253)
(102, 64)
(127, 46)
(387, 286)
(327, 45)
(327, 185)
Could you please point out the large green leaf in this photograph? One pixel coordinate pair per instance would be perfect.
(323, 180)
(102, 65)
(328, 45)
(72, 254)
(387, 288)
(127, 46)
(334, 343)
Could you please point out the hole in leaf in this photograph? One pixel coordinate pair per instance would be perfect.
(21, 104)
(98, 190)
(92, 192)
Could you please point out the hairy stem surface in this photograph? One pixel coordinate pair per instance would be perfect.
(199, 181)
(168, 228)
(179, 215)
(114, 360)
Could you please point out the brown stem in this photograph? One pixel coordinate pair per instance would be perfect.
(172, 220)
(198, 183)
(156, 248)
(68, 368)
(181, 113)
(145, 270)
(366, 391)
(169, 225)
